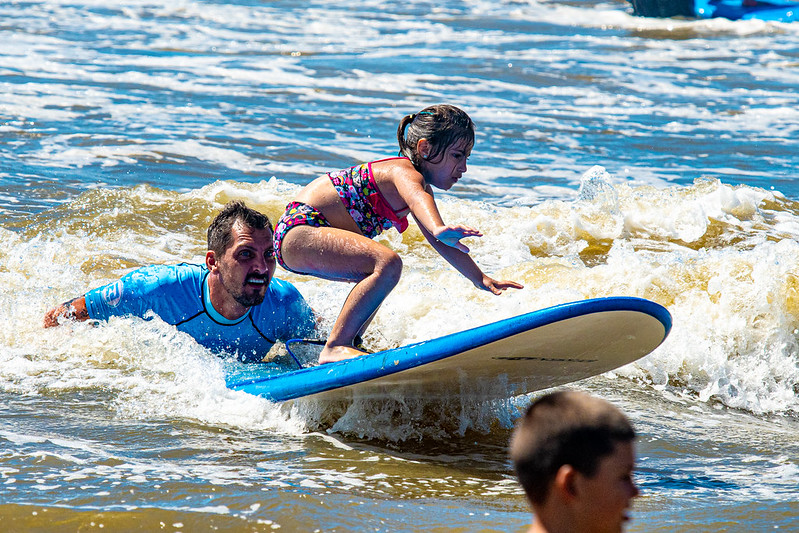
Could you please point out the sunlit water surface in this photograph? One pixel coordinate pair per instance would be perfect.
(615, 156)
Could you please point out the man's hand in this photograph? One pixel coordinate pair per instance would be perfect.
(74, 309)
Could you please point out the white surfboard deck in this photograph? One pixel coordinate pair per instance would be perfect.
(518, 355)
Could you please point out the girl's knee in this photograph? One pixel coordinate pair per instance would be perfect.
(390, 265)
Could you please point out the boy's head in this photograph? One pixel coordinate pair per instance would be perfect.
(576, 450)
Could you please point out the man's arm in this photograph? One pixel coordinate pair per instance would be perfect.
(74, 309)
(171, 292)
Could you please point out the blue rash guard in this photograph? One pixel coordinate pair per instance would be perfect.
(179, 295)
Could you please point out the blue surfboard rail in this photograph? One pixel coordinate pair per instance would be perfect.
(312, 380)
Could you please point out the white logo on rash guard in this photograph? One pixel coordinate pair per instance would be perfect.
(112, 294)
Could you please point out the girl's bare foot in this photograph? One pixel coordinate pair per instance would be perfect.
(331, 354)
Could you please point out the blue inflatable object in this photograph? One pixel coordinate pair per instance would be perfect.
(770, 10)
(775, 10)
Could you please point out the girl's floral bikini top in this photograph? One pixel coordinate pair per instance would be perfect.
(363, 200)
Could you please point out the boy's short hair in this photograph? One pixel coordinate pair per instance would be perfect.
(220, 232)
(565, 428)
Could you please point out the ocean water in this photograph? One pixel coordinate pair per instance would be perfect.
(615, 156)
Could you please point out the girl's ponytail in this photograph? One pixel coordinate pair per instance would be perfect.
(404, 148)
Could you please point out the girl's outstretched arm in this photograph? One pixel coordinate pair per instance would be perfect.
(445, 239)
(422, 205)
(456, 254)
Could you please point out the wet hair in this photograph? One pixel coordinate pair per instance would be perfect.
(220, 232)
(565, 428)
(442, 125)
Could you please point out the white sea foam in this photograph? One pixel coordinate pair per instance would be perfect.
(99, 98)
(709, 252)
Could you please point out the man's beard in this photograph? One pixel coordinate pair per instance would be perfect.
(239, 294)
(250, 300)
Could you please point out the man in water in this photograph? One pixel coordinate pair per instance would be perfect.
(574, 457)
(230, 304)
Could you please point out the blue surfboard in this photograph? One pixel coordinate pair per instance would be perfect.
(518, 355)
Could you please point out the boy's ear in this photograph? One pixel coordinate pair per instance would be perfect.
(566, 482)
(210, 259)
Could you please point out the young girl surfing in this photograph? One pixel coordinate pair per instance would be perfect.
(327, 230)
